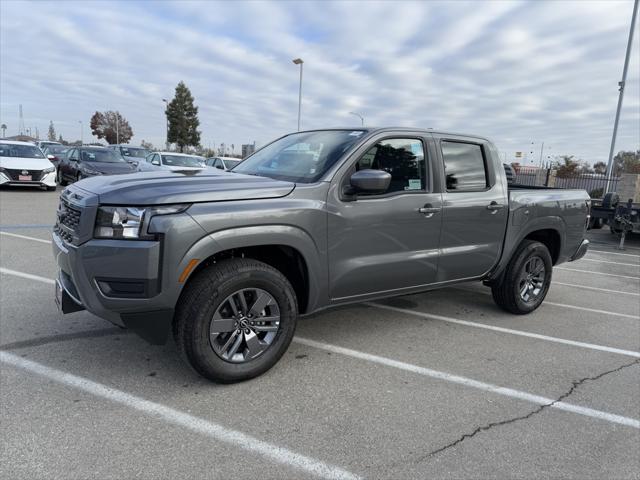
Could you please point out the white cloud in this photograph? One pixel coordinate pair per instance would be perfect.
(519, 72)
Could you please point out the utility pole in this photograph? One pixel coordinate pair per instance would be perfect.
(117, 128)
(81, 132)
(358, 115)
(621, 96)
(298, 61)
(167, 122)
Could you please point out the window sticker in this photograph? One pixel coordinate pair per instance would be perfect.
(414, 184)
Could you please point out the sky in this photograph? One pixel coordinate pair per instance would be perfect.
(520, 73)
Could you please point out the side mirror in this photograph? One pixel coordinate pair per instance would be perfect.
(53, 158)
(369, 181)
(155, 162)
(219, 167)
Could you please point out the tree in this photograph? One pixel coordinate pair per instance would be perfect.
(111, 126)
(568, 166)
(182, 116)
(600, 168)
(626, 162)
(52, 132)
(147, 145)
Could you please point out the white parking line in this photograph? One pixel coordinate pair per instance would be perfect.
(199, 425)
(430, 316)
(611, 263)
(606, 290)
(614, 253)
(15, 273)
(595, 273)
(469, 382)
(573, 307)
(24, 237)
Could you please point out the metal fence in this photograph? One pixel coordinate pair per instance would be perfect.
(593, 183)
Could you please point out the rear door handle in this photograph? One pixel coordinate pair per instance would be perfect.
(494, 207)
(428, 210)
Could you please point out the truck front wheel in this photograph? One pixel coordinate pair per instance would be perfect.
(235, 319)
(526, 281)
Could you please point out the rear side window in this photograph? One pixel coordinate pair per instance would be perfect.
(403, 158)
(464, 167)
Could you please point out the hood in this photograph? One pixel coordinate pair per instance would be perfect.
(183, 186)
(16, 163)
(110, 168)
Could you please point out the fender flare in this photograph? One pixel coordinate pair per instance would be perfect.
(260, 235)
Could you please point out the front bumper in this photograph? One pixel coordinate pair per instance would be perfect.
(581, 251)
(46, 180)
(115, 280)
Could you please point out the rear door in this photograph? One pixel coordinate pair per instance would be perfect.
(474, 208)
(69, 164)
(385, 242)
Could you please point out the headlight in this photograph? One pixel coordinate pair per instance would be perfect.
(49, 170)
(130, 222)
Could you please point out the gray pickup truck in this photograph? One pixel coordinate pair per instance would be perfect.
(226, 261)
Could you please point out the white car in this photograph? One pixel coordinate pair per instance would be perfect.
(42, 144)
(172, 161)
(223, 163)
(22, 163)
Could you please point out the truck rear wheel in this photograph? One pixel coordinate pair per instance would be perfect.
(526, 281)
(235, 320)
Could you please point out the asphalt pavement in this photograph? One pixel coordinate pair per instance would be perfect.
(436, 385)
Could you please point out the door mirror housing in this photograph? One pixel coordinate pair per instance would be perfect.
(155, 162)
(369, 181)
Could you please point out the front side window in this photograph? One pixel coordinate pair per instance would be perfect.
(300, 157)
(134, 152)
(464, 166)
(403, 158)
(24, 151)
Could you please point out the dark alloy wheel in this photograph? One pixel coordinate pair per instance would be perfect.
(531, 281)
(235, 319)
(526, 280)
(244, 325)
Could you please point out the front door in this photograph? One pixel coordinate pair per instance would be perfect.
(475, 209)
(388, 241)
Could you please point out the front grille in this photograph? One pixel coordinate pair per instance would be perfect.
(68, 221)
(15, 173)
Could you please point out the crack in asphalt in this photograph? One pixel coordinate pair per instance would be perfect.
(491, 425)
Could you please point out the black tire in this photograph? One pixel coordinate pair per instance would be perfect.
(610, 200)
(79, 177)
(206, 292)
(61, 180)
(51, 189)
(595, 223)
(507, 294)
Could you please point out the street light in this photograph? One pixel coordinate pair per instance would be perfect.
(298, 61)
(81, 132)
(358, 115)
(167, 122)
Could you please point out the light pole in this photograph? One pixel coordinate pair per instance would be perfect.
(298, 61)
(4, 130)
(81, 132)
(358, 115)
(167, 122)
(117, 128)
(620, 97)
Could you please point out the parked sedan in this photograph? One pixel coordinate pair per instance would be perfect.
(223, 163)
(172, 161)
(22, 163)
(55, 153)
(82, 162)
(133, 155)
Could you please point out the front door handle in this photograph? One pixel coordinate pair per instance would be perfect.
(428, 210)
(494, 207)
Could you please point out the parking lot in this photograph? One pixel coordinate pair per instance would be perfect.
(436, 385)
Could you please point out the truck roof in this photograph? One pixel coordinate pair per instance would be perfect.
(396, 128)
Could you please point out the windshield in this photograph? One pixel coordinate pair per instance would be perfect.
(134, 152)
(24, 151)
(231, 163)
(300, 157)
(181, 161)
(104, 156)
